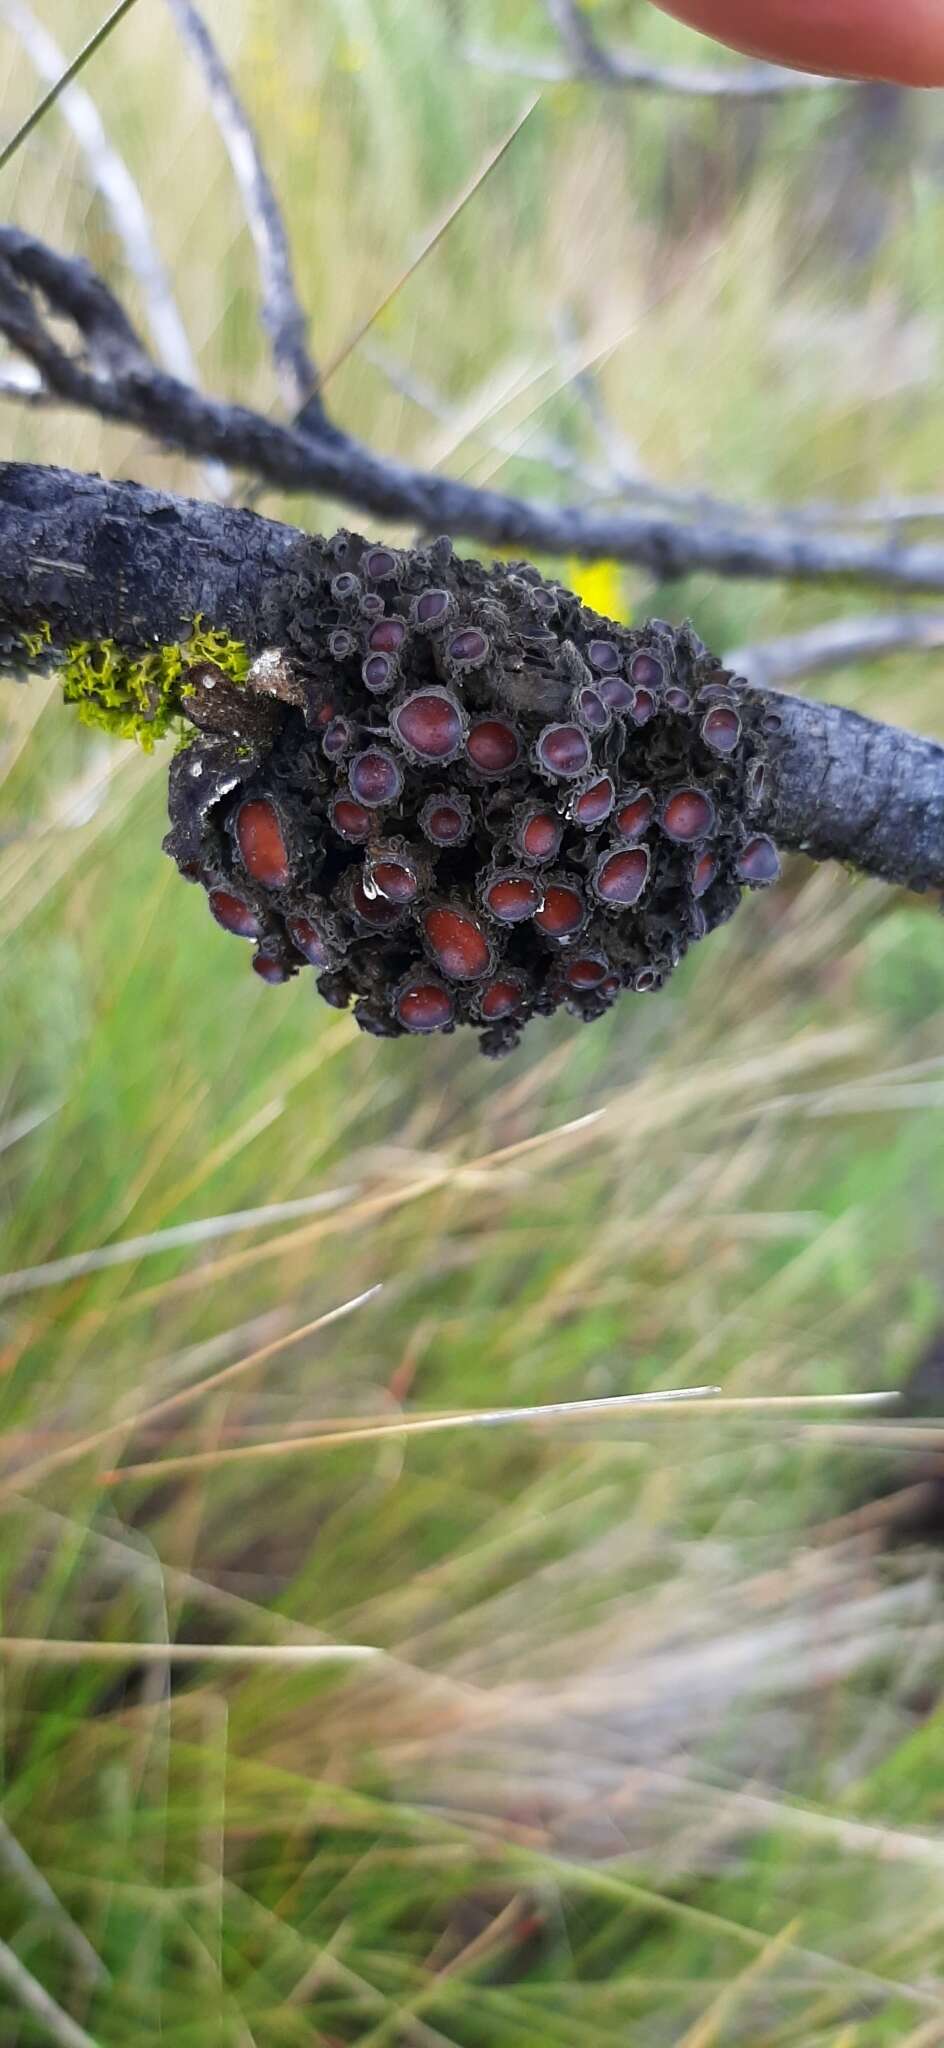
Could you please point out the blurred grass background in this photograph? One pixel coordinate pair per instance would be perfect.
(651, 1750)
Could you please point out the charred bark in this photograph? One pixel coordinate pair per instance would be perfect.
(90, 560)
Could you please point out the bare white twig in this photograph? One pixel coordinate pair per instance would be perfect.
(840, 643)
(22, 1871)
(32, 1997)
(282, 312)
(112, 179)
(61, 1650)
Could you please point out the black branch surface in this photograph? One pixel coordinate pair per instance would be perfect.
(92, 559)
(110, 374)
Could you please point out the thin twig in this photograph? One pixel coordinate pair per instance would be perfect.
(282, 312)
(585, 57)
(839, 643)
(65, 78)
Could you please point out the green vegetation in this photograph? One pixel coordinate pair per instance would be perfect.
(651, 1750)
(139, 696)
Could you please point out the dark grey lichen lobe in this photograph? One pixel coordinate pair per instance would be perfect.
(462, 797)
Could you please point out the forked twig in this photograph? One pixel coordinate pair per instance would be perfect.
(586, 57)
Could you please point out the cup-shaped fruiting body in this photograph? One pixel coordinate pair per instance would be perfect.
(687, 815)
(537, 833)
(431, 610)
(475, 802)
(261, 841)
(618, 695)
(721, 728)
(380, 673)
(512, 895)
(633, 813)
(446, 817)
(314, 936)
(467, 648)
(234, 915)
(502, 997)
(703, 873)
(592, 803)
(457, 941)
(350, 821)
(338, 738)
(758, 862)
(375, 778)
(430, 726)
(492, 746)
(395, 871)
(563, 910)
(271, 965)
(620, 876)
(563, 751)
(647, 671)
(380, 564)
(586, 971)
(604, 655)
(591, 709)
(423, 1004)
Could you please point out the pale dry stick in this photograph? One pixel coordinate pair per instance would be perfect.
(426, 1425)
(174, 1402)
(283, 315)
(204, 1230)
(111, 177)
(28, 1993)
(62, 1650)
(23, 1871)
(839, 643)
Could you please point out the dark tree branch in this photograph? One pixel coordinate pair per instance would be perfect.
(282, 312)
(135, 392)
(91, 559)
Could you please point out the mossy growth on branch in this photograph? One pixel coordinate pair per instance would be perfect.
(134, 695)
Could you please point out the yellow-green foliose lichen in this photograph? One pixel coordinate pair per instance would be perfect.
(137, 696)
